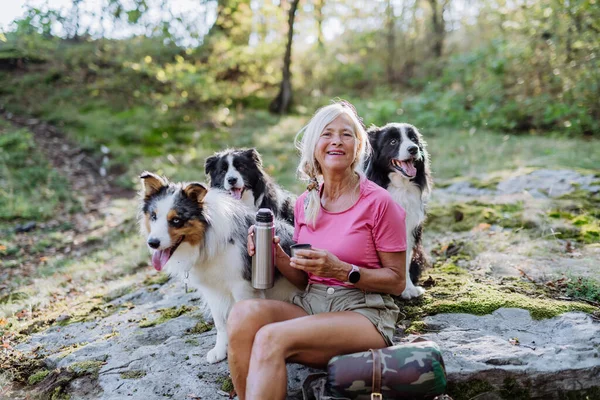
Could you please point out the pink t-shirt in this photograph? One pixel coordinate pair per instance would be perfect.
(374, 223)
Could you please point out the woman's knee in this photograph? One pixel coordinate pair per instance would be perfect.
(244, 316)
(270, 342)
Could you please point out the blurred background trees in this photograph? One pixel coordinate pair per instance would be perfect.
(510, 65)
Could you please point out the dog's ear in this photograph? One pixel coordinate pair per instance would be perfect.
(253, 155)
(210, 164)
(373, 133)
(195, 191)
(152, 183)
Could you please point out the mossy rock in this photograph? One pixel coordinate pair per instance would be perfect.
(165, 315)
(459, 217)
(133, 374)
(226, 383)
(158, 279)
(200, 327)
(38, 377)
(86, 368)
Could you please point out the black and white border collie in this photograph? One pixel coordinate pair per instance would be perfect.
(400, 164)
(240, 172)
(201, 235)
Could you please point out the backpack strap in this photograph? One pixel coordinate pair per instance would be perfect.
(376, 388)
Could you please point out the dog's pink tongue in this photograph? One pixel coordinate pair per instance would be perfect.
(160, 258)
(409, 168)
(236, 193)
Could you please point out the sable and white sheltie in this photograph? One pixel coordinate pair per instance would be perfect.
(241, 173)
(400, 164)
(200, 233)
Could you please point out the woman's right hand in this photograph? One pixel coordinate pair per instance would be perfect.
(279, 253)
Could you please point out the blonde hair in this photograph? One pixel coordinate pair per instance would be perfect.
(308, 168)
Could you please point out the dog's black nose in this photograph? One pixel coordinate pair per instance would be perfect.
(413, 150)
(154, 243)
(232, 180)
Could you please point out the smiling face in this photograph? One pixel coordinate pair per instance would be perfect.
(336, 148)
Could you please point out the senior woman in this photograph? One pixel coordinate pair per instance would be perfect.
(357, 260)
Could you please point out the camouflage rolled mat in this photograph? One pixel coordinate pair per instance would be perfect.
(408, 371)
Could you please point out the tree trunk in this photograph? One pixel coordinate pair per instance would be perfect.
(390, 23)
(319, 17)
(437, 21)
(283, 101)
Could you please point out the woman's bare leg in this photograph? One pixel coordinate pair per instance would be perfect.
(246, 318)
(311, 340)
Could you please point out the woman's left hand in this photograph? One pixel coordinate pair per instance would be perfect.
(322, 263)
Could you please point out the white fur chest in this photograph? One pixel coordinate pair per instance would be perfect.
(408, 195)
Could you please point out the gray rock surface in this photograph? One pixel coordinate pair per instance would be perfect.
(167, 360)
(553, 355)
(541, 183)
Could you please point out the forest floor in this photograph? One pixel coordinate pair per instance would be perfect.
(83, 314)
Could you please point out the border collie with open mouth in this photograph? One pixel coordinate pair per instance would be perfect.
(201, 235)
(240, 172)
(400, 164)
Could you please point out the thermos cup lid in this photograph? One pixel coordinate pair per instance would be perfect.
(264, 215)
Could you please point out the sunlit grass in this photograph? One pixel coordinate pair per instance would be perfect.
(29, 187)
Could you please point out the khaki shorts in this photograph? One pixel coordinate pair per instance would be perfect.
(379, 309)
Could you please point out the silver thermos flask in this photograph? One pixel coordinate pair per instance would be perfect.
(263, 261)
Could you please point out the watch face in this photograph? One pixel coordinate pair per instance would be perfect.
(354, 276)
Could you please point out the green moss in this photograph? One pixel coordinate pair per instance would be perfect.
(451, 268)
(226, 383)
(165, 315)
(582, 287)
(468, 390)
(456, 292)
(416, 327)
(86, 368)
(200, 327)
(59, 394)
(460, 217)
(38, 377)
(158, 279)
(133, 374)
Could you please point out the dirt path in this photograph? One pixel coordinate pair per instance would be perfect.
(72, 234)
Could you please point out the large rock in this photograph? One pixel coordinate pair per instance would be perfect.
(509, 350)
(161, 361)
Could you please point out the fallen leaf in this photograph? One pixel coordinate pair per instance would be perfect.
(514, 341)
(3, 321)
(2, 248)
(569, 247)
(482, 227)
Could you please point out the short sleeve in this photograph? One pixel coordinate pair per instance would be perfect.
(389, 226)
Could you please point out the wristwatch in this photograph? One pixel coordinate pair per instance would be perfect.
(354, 274)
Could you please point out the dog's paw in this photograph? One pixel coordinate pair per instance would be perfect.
(412, 291)
(215, 355)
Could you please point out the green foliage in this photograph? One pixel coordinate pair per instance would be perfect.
(38, 377)
(583, 288)
(24, 175)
